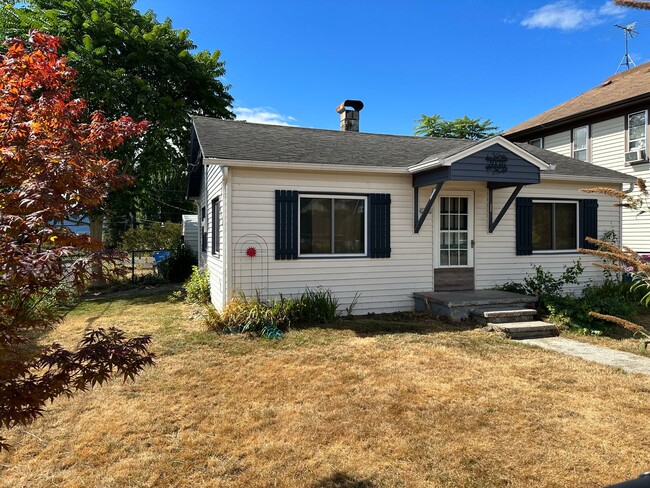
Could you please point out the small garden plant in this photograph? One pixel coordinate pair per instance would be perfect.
(271, 318)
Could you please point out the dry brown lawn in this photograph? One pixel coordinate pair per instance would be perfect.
(368, 403)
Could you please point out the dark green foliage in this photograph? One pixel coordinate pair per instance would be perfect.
(460, 128)
(178, 266)
(152, 237)
(197, 287)
(544, 285)
(130, 63)
(317, 307)
(610, 298)
(269, 318)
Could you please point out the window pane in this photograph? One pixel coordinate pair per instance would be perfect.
(453, 258)
(462, 225)
(637, 132)
(581, 155)
(542, 226)
(444, 240)
(349, 219)
(463, 205)
(315, 225)
(453, 205)
(444, 222)
(636, 120)
(462, 240)
(462, 258)
(580, 138)
(444, 202)
(453, 222)
(535, 142)
(565, 226)
(444, 258)
(638, 144)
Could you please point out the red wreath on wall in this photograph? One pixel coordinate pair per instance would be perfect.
(251, 252)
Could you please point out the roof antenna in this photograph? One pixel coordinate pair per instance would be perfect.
(629, 34)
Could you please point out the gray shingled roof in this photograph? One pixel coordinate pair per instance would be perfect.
(227, 139)
(224, 139)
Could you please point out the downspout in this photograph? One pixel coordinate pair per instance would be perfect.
(226, 233)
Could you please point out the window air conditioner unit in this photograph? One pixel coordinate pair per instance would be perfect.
(635, 156)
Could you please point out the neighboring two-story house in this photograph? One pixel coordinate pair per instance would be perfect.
(606, 126)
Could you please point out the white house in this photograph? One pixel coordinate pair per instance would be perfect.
(382, 216)
(190, 232)
(606, 126)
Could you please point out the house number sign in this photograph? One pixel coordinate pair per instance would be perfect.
(496, 163)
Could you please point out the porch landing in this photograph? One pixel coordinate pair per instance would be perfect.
(458, 305)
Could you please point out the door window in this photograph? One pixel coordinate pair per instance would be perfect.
(454, 231)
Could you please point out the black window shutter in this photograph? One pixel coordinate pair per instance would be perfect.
(286, 224)
(588, 221)
(379, 225)
(524, 223)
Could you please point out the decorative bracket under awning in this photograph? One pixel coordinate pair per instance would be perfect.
(492, 223)
(418, 220)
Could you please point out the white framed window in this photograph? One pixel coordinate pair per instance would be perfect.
(204, 230)
(637, 131)
(555, 225)
(581, 143)
(333, 225)
(539, 142)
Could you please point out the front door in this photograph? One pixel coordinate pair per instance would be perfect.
(454, 242)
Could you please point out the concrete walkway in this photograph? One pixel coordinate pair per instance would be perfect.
(628, 362)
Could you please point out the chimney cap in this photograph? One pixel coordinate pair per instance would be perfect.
(353, 104)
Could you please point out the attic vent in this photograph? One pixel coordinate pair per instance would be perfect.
(607, 82)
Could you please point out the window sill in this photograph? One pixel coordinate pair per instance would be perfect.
(334, 256)
(637, 163)
(553, 252)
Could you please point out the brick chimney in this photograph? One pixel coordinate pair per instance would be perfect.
(349, 111)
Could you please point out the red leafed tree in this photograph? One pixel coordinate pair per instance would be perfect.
(52, 166)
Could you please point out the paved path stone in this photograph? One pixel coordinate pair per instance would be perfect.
(626, 361)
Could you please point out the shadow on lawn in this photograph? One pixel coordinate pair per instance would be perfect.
(146, 296)
(395, 323)
(343, 480)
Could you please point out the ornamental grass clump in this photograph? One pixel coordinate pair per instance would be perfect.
(623, 259)
(271, 318)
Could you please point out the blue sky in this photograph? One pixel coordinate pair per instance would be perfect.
(293, 62)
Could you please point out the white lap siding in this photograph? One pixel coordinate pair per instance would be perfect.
(609, 148)
(382, 284)
(496, 259)
(215, 262)
(559, 143)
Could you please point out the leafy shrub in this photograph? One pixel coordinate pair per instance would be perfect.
(270, 318)
(317, 306)
(197, 287)
(544, 285)
(151, 237)
(609, 298)
(178, 266)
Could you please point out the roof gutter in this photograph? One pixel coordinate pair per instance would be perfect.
(348, 168)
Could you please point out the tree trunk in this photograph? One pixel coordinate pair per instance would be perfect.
(96, 234)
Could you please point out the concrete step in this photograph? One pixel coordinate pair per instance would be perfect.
(526, 330)
(502, 314)
(457, 305)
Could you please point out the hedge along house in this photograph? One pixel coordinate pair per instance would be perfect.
(282, 209)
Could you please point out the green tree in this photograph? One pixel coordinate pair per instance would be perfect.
(129, 63)
(460, 128)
